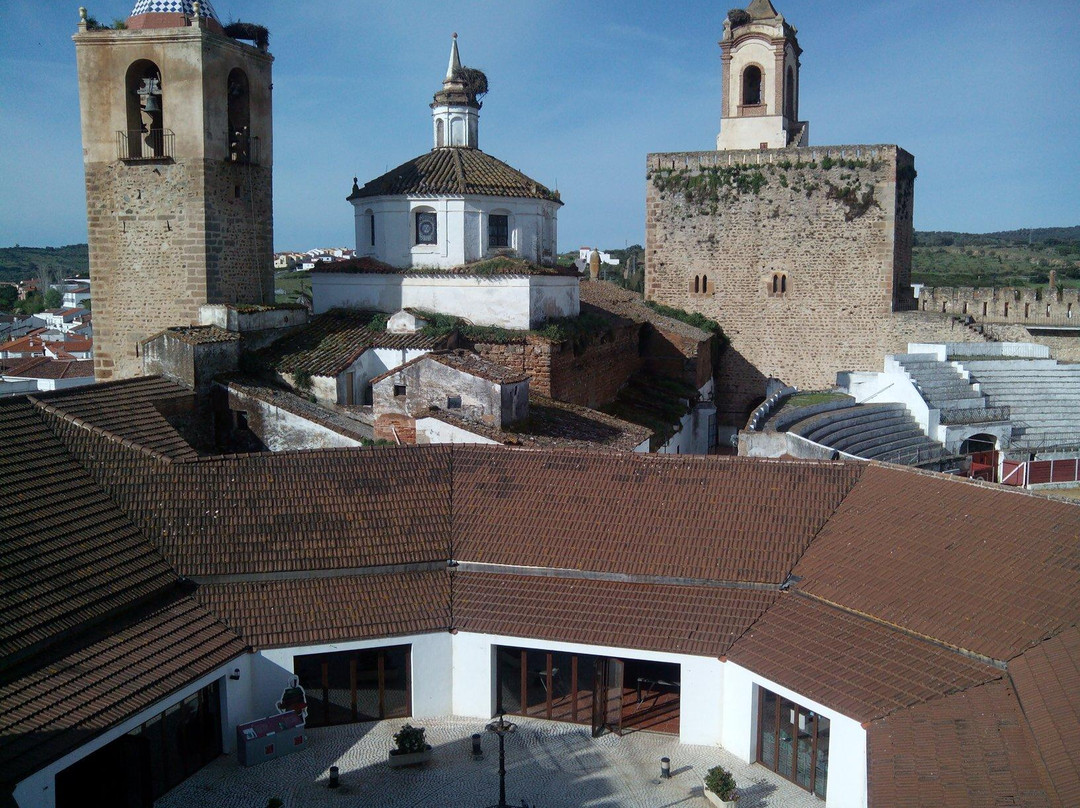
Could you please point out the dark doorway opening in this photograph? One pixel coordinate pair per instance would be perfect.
(139, 767)
(345, 687)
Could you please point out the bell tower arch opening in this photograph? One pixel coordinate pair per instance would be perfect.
(751, 86)
(145, 110)
(241, 146)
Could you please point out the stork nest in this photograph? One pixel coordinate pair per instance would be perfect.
(259, 34)
(739, 16)
(475, 82)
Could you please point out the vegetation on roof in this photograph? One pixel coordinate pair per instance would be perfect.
(580, 331)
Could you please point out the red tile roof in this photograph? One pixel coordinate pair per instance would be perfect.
(863, 669)
(104, 677)
(712, 518)
(701, 620)
(41, 367)
(336, 339)
(455, 172)
(1047, 681)
(965, 750)
(964, 563)
(313, 611)
(69, 553)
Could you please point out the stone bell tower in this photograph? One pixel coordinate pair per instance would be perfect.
(178, 154)
(760, 58)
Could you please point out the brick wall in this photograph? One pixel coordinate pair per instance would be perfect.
(591, 377)
(833, 223)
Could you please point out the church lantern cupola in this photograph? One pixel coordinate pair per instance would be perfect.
(173, 14)
(760, 55)
(455, 110)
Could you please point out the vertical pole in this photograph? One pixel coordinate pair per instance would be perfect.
(502, 772)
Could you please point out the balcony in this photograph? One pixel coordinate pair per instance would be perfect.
(139, 145)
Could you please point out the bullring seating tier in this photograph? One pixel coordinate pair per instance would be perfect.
(941, 384)
(1043, 398)
(872, 431)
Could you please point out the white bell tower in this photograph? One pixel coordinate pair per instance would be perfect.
(760, 55)
(455, 112)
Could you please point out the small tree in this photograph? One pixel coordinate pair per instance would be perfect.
(410, 739)
(9, 295)
(53, 298)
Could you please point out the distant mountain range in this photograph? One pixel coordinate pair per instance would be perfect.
(1036, 236)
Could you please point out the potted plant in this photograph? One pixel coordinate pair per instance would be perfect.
(411, 747)
(720, 787)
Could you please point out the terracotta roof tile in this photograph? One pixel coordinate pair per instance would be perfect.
(710, 518)
(967, 749)
(336, 339)
(972, 566)
(322, 610)
(275, 512)
(857, 667)
(127, 410)
(465, 362)
(41, 367)
(455, 172)
(701, 620)
(68, 553)
(105, 676)
(1047, 681)
(631, 305)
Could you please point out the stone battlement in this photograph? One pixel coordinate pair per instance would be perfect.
(1037, 305)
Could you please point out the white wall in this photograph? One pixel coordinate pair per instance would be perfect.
(461, 230)
(507, 301)
(847, 739)
(694, 434)
(432, 430)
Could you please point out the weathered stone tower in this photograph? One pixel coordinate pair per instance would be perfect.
(177, 147)
(760, 58)
(802, 254)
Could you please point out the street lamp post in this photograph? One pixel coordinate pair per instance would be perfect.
(502, 728)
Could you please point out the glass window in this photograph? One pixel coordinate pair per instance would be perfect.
(426, 228)
(498, 230)
(793, 741)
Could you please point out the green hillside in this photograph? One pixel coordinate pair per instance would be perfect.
(1009, 258)
(23, 263)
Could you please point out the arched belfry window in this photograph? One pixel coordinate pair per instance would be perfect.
(440, 133)
(751, 86)
(145, 135)
(241, 144)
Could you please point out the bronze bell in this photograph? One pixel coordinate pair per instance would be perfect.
(152, 104)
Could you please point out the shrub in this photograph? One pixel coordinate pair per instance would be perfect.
(410, 739)
(721, 782)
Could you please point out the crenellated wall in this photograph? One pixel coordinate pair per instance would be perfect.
(1023, 306)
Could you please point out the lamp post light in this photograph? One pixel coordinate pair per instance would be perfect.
(502, 728)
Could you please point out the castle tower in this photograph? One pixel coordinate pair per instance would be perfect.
(760, 57)
(455, 111)
(177, 149)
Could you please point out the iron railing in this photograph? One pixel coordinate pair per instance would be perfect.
(150, 144)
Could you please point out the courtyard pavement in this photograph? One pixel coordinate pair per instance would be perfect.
(548, 765)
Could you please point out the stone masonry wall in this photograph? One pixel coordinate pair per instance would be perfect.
(591, 377)
(1024, 306)
(831, 227)
(155, 257)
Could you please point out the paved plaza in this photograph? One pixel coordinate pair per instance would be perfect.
(549, 765)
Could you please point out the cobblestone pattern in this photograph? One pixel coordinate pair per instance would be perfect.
(548, 765)
(167, 237)
(845, 273)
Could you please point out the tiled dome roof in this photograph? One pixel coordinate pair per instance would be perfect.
(206, 9)
(454, 172)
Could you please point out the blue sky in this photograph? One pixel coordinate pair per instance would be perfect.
(984, 94)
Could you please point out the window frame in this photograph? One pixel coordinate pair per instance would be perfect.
(494, 232)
